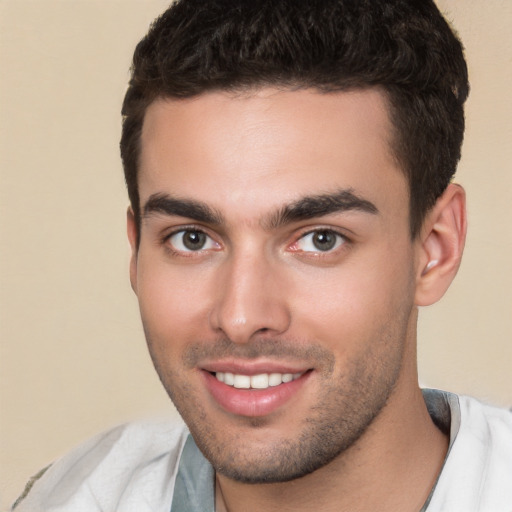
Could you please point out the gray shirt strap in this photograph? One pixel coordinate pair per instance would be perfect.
(195, 482)
(444, 409)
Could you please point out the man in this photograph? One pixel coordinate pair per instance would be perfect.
(289, 169)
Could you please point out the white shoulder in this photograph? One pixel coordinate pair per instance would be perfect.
(129, 468)
(488, 430)
(477, 475)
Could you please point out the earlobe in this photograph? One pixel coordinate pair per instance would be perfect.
(132, 231)
(441, 246)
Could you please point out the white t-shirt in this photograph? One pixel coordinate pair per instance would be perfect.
(156, 467)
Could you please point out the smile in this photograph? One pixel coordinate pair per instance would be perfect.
(260, 381)
(250, 392)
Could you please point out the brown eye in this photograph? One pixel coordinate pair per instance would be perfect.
(188, 240)
(194, 240)
(322, 240)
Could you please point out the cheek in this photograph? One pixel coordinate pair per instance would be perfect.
(173, 304)
(357, 302)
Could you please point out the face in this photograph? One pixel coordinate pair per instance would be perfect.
(275, 272)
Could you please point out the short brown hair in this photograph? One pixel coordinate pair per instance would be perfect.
(405, 47)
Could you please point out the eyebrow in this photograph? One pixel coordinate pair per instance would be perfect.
(173, 206)
(310, 207)
(305, 208)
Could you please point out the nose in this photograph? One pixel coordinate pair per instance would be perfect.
(250, 299)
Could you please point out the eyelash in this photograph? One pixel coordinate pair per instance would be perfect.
(184, 229)
(342, 241)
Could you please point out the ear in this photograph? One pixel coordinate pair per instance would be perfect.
(132, 230)
(441, 244)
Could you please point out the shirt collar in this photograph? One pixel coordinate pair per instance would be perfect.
(194, 490)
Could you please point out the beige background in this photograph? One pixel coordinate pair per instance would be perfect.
(73, 359)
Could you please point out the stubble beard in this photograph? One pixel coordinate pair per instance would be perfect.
(348, 406)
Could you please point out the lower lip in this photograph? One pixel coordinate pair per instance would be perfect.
(253, 402)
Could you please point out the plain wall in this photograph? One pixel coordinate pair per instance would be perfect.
(73, 357)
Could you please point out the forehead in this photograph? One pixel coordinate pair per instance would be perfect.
(268, 147)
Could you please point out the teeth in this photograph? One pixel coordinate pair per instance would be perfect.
(261, 381)
(242, 381)
(274, 379)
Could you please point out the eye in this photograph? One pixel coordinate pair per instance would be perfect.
(322, 240)
(190, 240)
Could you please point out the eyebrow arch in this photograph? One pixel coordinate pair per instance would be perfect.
(310, 207)
(173, 206)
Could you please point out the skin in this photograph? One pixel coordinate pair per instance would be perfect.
(258, 295)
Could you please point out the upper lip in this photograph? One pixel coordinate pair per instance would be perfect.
(253, 367)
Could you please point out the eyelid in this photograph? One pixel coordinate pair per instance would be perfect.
(188, 228)
(311, 231)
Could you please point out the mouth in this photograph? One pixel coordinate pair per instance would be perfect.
(254, 393)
